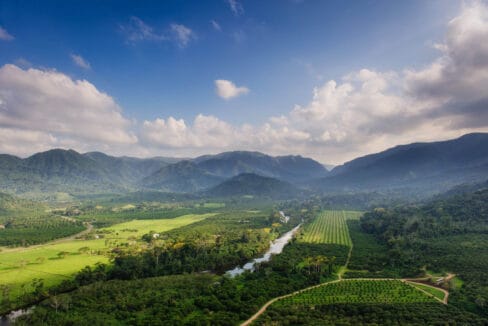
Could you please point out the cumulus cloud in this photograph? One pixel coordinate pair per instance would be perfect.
(55, 109)
(236, 7)
(4, 35)
(80, 61)
(365, 111)
(228, 90)
(182, 34)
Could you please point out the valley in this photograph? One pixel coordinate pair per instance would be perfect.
(150, 254)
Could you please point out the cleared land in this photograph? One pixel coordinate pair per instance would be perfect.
(58, 261)
(330, 227)
(437, 293)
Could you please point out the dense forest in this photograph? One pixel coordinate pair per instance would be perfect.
(449, 235)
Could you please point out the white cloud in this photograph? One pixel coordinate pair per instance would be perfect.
(137, 30)
(366, 111)
(183, 35)
(59, 110)
(80, 61)
(236, 7)
(216, 25)
(228, 90)
(4, 35)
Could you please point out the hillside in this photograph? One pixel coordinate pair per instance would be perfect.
(289, 168)
(183, 176)
(207, 171)
(68, 171)
(423, 166)
(250, 184)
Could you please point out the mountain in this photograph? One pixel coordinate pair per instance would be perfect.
(209, 170)
(184, 176)
(251, 184)
(129, 170)
(289, 168)
(423, 166)
(60, 170)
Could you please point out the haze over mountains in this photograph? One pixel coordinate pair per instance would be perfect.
(415, 166)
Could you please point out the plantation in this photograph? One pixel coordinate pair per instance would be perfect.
(330, 227)
(359, 291)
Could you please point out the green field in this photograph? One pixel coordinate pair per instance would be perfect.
(435, 292)
(359, 291)
(330, 227)
(19, 266)
(140, 227)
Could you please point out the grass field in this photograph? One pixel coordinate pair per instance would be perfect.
(330, 227)
(19, 267)
(140, 227)
(435, 292)
(359, 291)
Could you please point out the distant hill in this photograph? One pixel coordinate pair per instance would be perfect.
(251, 184)
(185, 176)
(209, 170)
(129, 169)
(60, 170)
(425, 166)
(290, 168)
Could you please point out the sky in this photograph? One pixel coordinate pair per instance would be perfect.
(331, 80)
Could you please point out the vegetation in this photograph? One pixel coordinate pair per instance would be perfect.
(26, 231)
(369, 257)
(358, 291)
(418, 313)
(329, 227)
(448, 235)
(54, 263)
(433, 291)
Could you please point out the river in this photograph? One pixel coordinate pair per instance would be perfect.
(275, 248)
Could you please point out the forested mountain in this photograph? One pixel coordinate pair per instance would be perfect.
(207, 171)
(420, 167)
(129, 169)
(423, 166)
(183, 176)
(254, 185)
(289, 168)
(61, 170)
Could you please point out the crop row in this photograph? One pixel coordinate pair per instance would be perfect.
(359, 291)
(330, 227)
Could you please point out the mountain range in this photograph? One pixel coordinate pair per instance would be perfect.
(425, 166)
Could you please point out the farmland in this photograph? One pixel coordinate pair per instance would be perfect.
(359, 291)
(58, 261)
(330, 227)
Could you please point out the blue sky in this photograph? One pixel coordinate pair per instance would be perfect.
(279, 51)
